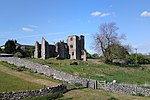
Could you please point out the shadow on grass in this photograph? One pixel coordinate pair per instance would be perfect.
(125, 65)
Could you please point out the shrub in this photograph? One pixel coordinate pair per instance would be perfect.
(18, 54)
(10, 46)
(0, 50)
(138, 59)
(78, 84)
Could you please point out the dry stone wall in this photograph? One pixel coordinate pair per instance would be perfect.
(128, 89)
(49, 71)
(26, 93)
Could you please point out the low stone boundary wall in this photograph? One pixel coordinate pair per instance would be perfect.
(128, 89)
(23, 94)
(49, 71)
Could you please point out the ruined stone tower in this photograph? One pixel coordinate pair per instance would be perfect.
(73, 49)
(76, 47)
(44, 49)
(62, 50)
(37, 52)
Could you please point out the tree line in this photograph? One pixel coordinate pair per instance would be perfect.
(11, 47)
(109, 43)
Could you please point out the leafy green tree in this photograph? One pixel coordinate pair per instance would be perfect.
(138, 59)
(106, 37)
(88, 55)
(10, 46)
(18, 54)
(95, 55)
(0, 50)
(116, 51)
(30, 52)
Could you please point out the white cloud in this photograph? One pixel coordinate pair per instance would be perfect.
(27, 29)
(105, 14)
(145, 14)
(99, 14)
(96, 13)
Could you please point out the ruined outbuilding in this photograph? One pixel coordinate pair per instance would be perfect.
(73, 49)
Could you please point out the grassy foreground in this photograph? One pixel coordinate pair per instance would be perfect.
(13, 79)
(100, 71)
(12, 83)
(91, 94)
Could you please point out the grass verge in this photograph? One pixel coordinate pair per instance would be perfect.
(99, 71)
(12, 79)
(91, 94)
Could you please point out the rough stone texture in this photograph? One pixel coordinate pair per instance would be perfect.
(51, 72)
(128, 89)
(73, 49)
(52, 52)
(76, 47)
(44, 49)
(83, 56)
(26, 93)
(62, 50)
(120, 61)
(37, 52)
(48, 71)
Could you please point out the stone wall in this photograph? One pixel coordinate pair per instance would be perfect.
(44, 49)
(76, 47)
(49, 71)
(73, 49)
(37, 52)
(26, 93)
(52, 52)
(62, 50)
(128, 89)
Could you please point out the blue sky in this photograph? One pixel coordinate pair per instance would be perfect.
(28, 20)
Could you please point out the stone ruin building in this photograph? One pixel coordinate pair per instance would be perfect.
(73, 49)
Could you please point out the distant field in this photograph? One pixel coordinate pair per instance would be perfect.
(100, 71)
(12, 80)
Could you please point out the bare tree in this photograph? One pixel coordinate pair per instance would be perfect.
(129, 48)
(107, 35)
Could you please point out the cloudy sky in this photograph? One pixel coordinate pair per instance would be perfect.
(28, 20)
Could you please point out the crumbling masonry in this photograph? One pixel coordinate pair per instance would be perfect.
(73, 49)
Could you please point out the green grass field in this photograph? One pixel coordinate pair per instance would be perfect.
(100, 71)
(91, 94)
(12, 83)
(12, 80)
